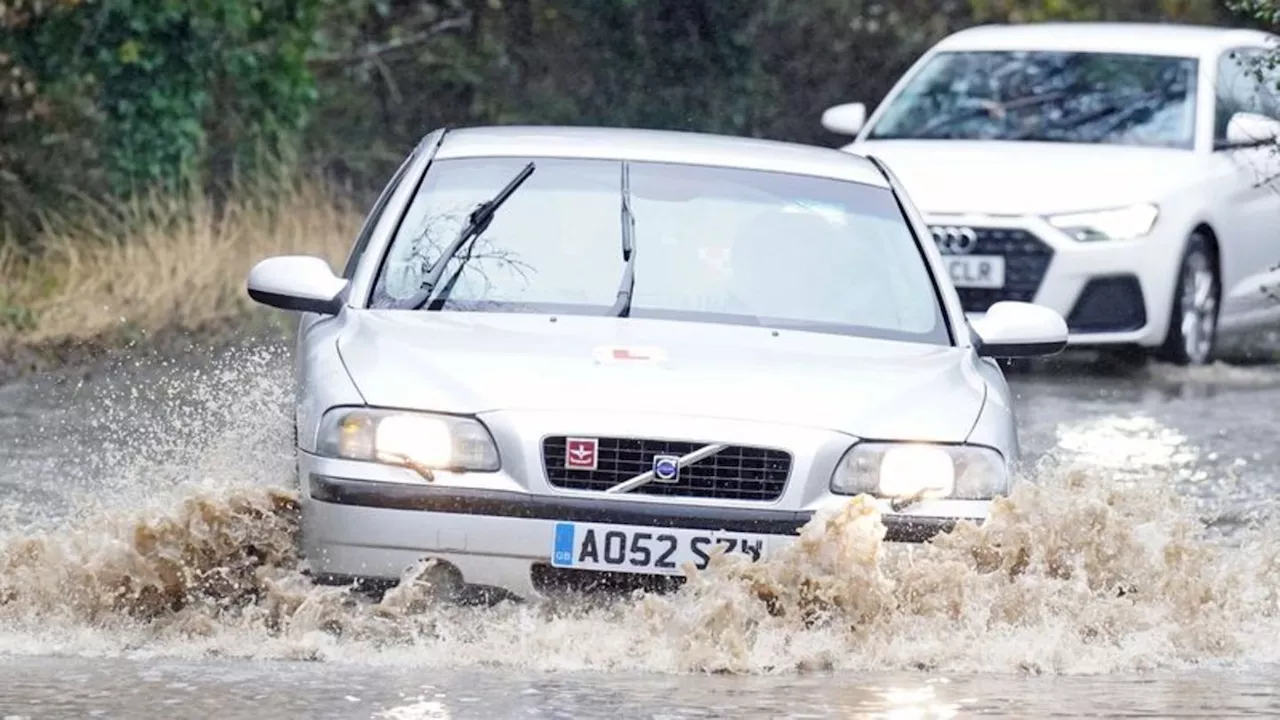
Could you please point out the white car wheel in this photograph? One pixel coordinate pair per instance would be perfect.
(1193, 325)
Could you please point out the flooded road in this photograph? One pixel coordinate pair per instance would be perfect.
(132, 689)
(146, 571)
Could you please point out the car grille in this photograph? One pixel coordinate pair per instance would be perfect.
(734, 473)
(1026, 259)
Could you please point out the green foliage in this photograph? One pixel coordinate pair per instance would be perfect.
(111, 96)
(163, 89)
(1196, 11)
(764, 68)
(46, 140)
(183, 83)
(1266, 12)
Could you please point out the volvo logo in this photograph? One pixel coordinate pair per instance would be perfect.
(954, 240)
(666, 468)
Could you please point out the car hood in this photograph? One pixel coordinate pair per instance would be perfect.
(473, 363)
(1015, 178)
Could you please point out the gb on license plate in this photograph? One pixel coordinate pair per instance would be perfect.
(637, 549)
(976, 271)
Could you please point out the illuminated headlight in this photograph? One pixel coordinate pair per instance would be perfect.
(920, 470)
(1117, 224)
(417, 440)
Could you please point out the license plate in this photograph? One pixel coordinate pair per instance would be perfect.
(976, 271)
(650, 550)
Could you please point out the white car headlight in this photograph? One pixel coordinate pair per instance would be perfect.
(421, 441)
(1123, 223)
(921, 470)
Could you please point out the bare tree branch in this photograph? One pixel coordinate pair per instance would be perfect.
(372, 52)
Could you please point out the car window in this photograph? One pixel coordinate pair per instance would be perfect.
(1078, 97)
(371, 220)
(789, 248)
(1246, 82)
(563, 218)
(712, 245)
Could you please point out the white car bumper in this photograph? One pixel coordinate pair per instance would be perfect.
(359, 528)
(1110, 292)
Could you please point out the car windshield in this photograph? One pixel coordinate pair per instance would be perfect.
(1077, 97)
(711, 244)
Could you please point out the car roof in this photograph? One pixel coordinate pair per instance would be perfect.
(1123, 37)
(671, 146)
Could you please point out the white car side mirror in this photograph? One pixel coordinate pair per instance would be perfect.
(845, 119)
(299, 283)
(1020, 330)
(1252, 129)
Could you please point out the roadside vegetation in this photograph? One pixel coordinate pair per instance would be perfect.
(161, 260)
(150, 152)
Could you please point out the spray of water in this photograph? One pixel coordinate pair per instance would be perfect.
(180, 539)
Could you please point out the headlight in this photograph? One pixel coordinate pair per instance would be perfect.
(1117, 224)
(921, 470)
(417, 440)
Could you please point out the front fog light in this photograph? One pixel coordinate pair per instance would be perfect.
(921, 470)
(422, 441)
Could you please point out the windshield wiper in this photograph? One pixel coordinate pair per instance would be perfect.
(477, 223)
(622, 307)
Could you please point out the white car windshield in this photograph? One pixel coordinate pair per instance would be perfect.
(711, 244)
(1076, 97)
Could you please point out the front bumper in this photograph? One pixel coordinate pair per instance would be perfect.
(355, 528)
(371, 521)
(1109, 292)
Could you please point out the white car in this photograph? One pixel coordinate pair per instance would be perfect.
(567, 351)
(1125, 175)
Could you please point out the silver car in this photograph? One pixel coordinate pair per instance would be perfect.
(567, 353)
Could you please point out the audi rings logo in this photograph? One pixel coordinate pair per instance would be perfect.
(954, 240)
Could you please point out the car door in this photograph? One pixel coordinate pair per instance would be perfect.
(1248, 226)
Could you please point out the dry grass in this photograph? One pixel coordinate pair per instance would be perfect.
(162, 262)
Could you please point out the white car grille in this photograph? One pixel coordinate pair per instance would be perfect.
(1026, 259)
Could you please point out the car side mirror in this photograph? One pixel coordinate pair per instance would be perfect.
(1251, 129)
(299, 283)
(846, 119)
(1020, 330)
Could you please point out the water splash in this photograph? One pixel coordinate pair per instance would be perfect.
(187, 549)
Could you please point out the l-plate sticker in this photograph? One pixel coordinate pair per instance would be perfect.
(628, 354)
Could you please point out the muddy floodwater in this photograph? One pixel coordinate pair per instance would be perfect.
(147, 570)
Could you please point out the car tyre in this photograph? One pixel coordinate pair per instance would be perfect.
(1193, 320)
